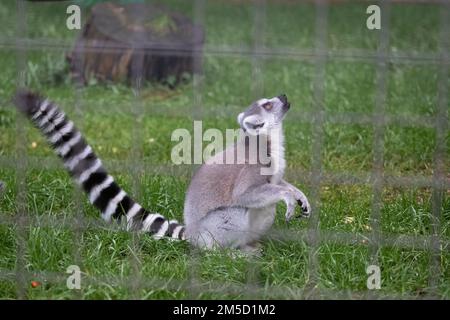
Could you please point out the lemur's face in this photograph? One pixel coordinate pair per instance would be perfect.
(264, 115)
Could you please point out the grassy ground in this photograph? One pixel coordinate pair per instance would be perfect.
(110, 259)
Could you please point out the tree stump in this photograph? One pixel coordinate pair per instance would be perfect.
(136, 41)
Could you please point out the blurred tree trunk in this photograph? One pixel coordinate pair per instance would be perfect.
(136, 41)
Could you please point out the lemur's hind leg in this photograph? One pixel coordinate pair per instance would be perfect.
(233, 227)
(223, 227)
(240, 225)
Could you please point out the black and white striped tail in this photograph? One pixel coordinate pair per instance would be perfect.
(87, 169)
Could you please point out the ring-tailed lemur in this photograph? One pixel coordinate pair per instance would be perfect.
(233, 205)
(227, 205)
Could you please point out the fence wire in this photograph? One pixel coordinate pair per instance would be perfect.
(313, 236)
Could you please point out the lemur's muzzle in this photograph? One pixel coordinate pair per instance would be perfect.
(255, 126)
(284, 101)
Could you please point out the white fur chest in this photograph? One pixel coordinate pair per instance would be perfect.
(278, 162)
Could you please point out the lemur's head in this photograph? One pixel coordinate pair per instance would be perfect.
(264, 115)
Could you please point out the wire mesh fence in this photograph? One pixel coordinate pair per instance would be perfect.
(318, 56)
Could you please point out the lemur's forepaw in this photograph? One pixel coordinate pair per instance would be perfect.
(303, 203)
(300, 199)
(306, 208)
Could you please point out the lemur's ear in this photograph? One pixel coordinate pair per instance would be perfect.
(239, 118)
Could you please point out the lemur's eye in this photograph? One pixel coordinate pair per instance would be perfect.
(268, 106)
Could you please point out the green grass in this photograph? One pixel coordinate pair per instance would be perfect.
(120, 265)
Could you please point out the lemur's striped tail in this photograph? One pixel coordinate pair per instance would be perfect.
(87, 169)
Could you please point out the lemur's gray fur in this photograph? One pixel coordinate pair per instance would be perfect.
(227, 205)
